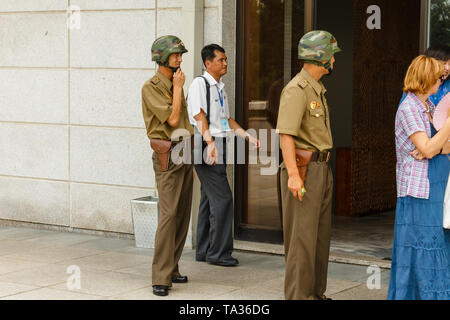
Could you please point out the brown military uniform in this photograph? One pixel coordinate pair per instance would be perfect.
(157, 107)
(174, 186)
(304, 114)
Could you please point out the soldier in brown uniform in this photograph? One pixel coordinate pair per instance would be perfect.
(167, 121)
(306, 177)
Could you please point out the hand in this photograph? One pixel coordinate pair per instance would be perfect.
(417, 155)
(295, 185)
(254, 142)
(212, 154)
(178, 79)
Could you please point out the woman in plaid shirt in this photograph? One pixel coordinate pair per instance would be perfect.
(421, 253)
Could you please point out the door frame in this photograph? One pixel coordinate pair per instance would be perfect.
(240, 177)
(424, 25)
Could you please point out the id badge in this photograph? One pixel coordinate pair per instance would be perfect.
(225, 125)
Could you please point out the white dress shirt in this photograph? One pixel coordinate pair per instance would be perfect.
(197, 101)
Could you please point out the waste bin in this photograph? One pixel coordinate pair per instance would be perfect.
(145, 214)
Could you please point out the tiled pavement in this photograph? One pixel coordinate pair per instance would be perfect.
(34, 265)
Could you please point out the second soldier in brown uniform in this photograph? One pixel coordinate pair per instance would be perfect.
(306, 177)
(167, 121)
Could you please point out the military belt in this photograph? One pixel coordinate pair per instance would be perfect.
(321, 156)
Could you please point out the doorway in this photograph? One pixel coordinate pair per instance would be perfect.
(269, 31)
(364, 92)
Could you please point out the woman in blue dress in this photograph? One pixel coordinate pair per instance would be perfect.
(421, 253)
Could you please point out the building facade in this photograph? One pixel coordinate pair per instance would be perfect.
(73, 146)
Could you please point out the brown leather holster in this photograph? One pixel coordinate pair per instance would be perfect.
(162, 148)
(303, 158)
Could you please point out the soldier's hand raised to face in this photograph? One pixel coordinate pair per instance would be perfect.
(295, 185)
(178, 79)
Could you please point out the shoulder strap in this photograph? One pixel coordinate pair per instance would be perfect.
(208, 100)
(303, 83)
(155, 80)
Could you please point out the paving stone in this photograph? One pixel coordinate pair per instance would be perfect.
(33, 265)
(233, 276)
(140, 270)
(49, 274)
(109, 284)
(254, 293)
(275, 284)
(7, 289)
(361, 292)
(9, 265)
(186, 291)
(54, 254)
(348, 272)
(64, 239)
(9, 247)
(107, 244)
(51, 294)
(109, 261)
(337, 285)
(23, 233)
(137, 251)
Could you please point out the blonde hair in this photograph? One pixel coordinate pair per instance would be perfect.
(422, 75)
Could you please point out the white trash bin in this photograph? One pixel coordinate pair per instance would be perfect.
(145, 214)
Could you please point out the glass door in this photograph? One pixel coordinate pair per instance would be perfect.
(269, 32)
(439, 31)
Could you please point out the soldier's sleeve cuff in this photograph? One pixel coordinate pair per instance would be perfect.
(288, 132)
(162, 113)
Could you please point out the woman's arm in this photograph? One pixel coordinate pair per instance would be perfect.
(431, 147)
(446, 148)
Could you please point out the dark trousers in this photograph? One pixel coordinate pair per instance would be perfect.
(215, 217)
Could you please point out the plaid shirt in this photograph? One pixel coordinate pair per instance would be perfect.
(412, 175)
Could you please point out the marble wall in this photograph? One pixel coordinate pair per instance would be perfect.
(73, 146)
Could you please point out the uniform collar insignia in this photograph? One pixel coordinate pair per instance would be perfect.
(303, 83)
(166, 82)
(317, 85)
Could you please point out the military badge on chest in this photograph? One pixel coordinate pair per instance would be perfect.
(315, 105)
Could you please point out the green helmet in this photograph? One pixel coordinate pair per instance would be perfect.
(164, 46)
(316, 46)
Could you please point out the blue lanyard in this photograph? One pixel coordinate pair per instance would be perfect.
(220, 96)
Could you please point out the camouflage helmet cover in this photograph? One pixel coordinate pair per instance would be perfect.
(317, 46)
(164, 46)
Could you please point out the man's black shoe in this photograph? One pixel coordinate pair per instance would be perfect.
(180, 279)
(231, 262)
(200, 258)
(161, 291)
